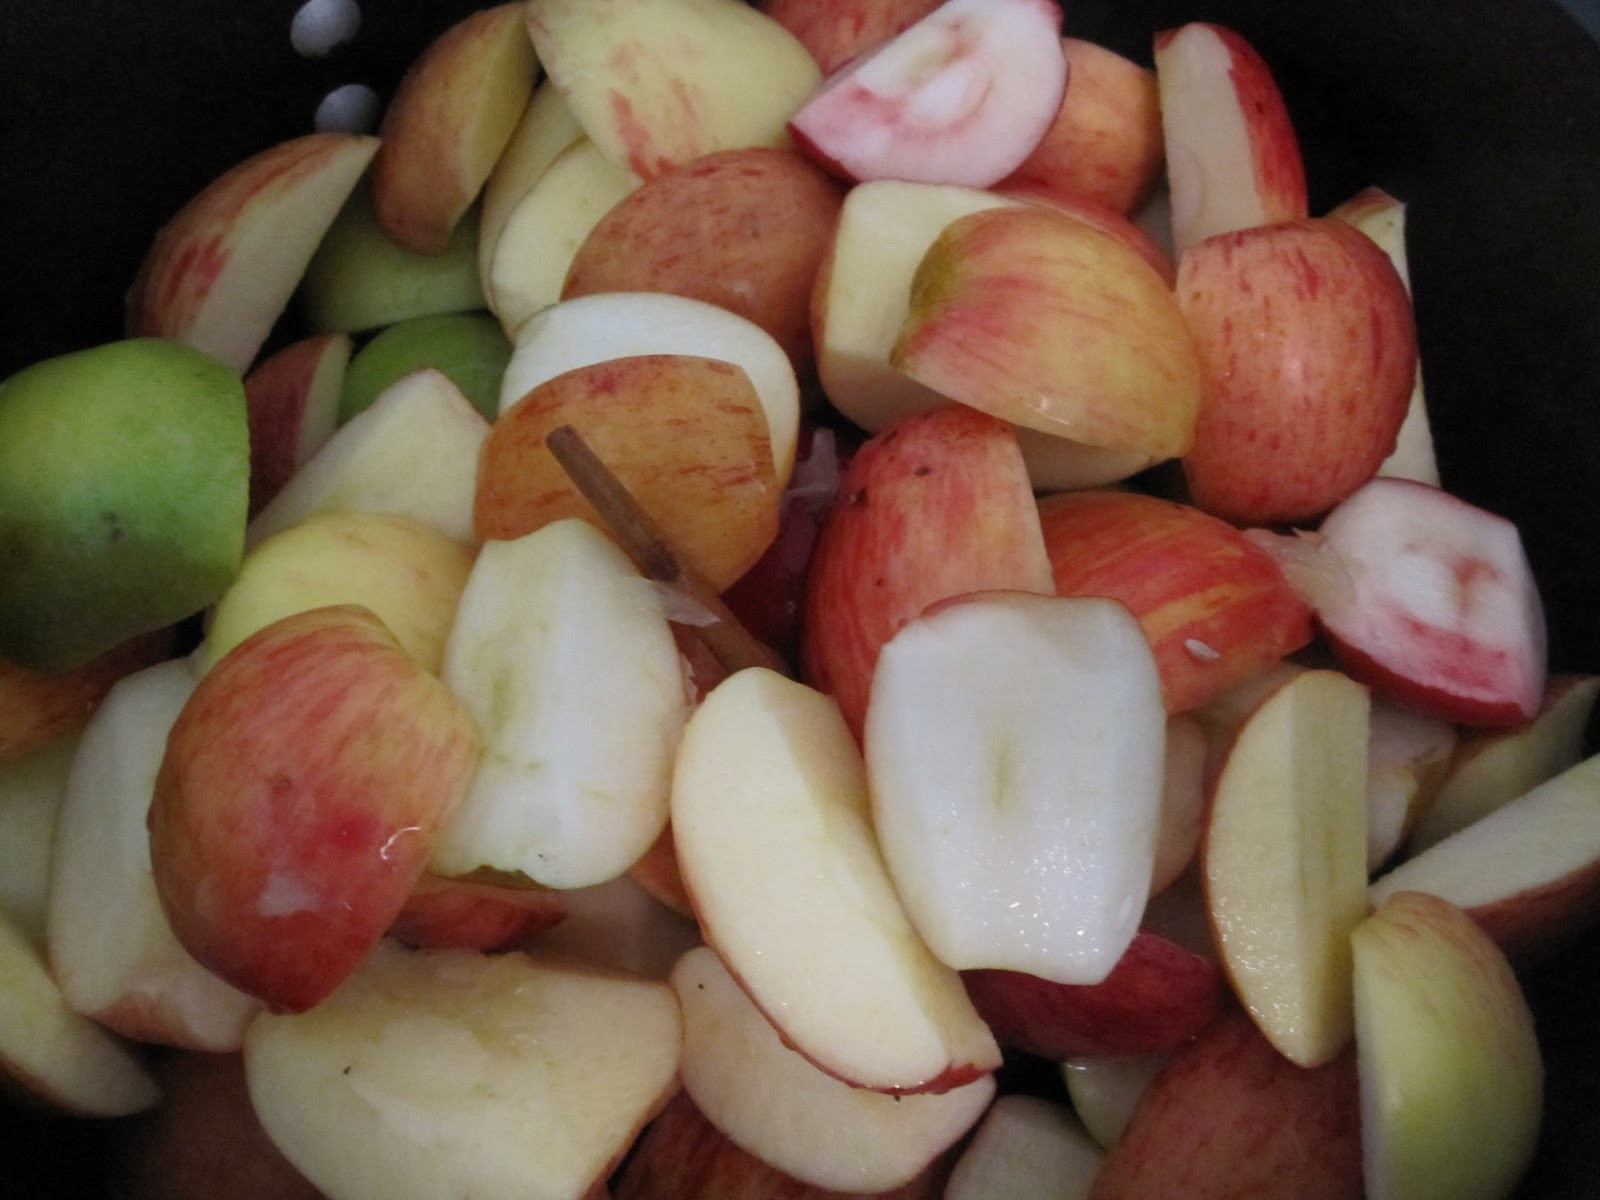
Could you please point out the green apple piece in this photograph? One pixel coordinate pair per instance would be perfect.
(124, 484)
(360, 279)
(469, 348)
(1451, 1078)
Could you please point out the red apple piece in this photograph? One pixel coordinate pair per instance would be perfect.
(292, 403)
(962, 96)
(835, 31)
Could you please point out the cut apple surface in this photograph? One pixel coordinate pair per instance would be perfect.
(1233, 159)
(1439, 608)
(1104, 1091)
(495, 1076)
(782, 1109)
(1284, 860)
(658, 85)
(1026, 1148)
(223, 269)
(1528, 872)
(1451, 1077)
(837, 32)
(31, 788)
(1015, 757)
(1408, 754)
(962, 96)
(562, 654)
(770, 817)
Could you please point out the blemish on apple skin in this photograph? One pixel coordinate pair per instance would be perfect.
(114, 530)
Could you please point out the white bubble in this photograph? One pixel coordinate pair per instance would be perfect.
(352, 108)
(320, 25)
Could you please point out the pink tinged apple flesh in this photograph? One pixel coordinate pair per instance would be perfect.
(1451, 1078)
(1435, 605)
(1052, 324)
(453, 1073)
(1284, 861)
(770, 815)
(1528, 872)
(221, 272)
(962, 96)
(1233, 160)
(1015, 757)
(1307, 348)
(777, 1106)
(299, 797)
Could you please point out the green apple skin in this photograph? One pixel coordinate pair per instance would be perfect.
(470, 348)
(360, 280)
(124, 484)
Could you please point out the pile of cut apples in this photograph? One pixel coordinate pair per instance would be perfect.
(736, 573)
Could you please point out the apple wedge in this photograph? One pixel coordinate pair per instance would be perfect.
(658, 85)
(545, 129)
(1527, 872)
(1408, 754)
(54, 1055)
(937, 505)
(1452, 1085)
(292, 402)
(1437, 606)
(1284, 860)
(1052, 324)
(962, 96)
(594, 329)
(301, 790)
(413, 453)
(1026, 1148)
(1015, 749)
(450, 117)
(222, 270)
(1233, 159)
(774, 839)
(111, 949)
(1228, 1116)
(1105, 1091)
(493, 1076)
(31, 787)
(1491, 767)
(562, 654)
(777, 1106)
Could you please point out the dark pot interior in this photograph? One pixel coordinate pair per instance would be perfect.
(1483, 114)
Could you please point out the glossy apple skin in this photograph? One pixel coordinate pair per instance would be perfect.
(836, 32)
(301, 790)
(1308, 346)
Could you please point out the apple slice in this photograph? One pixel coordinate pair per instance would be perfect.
(55, 1056)
(777, 1106)
(1228, 1116)
(38, 708)
(937, 505)
(1157, 997)
(835, 31)
(31, 787)
(542, 232)
(1408, 754)
(1233, 160)
(1491, 767)
(299, 797)
(1438, 607)
(770, 816)
(1452, 1084)
(413, 453)
(594, 329)
(460, 914)
(1026, 1148)
(469, 348)
(450, 117)
(111, 949)
(1284, 861)
(1216, 608)
(1047, 322)
(1307, 344)
(409, 574)
(743, 229)
(545, 129)
(1528, 872)
(1382, 218)
(962, 96)
(292, 403)
(686, 436)
(222, 270)
(1015, 749)
(562, 654)
(658, 85)
(1106, 140)
(1105, 1091)
(461, 1074)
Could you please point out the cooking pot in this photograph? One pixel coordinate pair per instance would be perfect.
(1484, 115)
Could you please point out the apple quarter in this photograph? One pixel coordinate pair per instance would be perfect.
(1015, 752)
